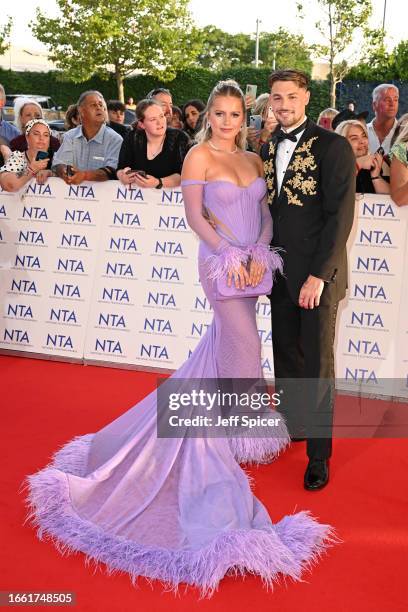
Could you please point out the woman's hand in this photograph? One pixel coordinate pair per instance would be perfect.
(41, 164)
(146, 182)
(365, 161)
(256, 272)
(240, 276)
(125, 176)
(42, 176)
(376, 165)
(253, 137)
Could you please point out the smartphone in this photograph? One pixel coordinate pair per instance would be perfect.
(255, 121)
(41, 155)
(380, 150)
(141, 173)
(251, 91)
(130, 171)
(271, 114)
(69, 171)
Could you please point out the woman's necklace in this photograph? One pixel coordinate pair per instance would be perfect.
(221, 150)
(154, 154)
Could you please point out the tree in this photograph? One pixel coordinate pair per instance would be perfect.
(105, 37)
(282, 49)
(342, 19)
(5, 35)
(400, 60)
(220, 50)
(376, 64)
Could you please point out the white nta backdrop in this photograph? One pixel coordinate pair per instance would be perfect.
(100, 272)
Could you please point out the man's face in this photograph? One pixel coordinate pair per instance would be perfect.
(93, 110)
(167, 105)
(386, 105)
(288, 102)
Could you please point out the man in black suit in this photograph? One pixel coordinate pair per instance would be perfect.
(310, 173)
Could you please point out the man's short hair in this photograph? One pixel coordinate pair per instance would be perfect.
(297, 76)
(85, 94)
(156, 91)
(116, 105)
(377, 91)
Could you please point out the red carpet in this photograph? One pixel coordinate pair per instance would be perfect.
(44, 404)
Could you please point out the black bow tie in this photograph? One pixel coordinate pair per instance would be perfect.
(281, 135)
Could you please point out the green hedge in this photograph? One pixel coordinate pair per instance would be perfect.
(191, 83)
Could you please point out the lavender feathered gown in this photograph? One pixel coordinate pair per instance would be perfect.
(181, 510)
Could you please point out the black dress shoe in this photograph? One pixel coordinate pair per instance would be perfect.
(317, 474)
(297, 439)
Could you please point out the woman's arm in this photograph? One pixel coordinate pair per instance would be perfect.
(194, 173)
(399, 182)
(9, 181)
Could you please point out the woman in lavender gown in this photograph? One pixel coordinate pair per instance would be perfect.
(181, 510)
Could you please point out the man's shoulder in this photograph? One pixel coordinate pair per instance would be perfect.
(72, 133)
(111, 135)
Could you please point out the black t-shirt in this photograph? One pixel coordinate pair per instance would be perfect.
(364, 183)
(133, 153)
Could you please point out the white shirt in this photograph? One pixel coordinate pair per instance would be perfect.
(284, 153)
(373, 141)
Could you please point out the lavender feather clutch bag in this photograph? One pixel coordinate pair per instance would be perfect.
(232, 257)
(223, 292)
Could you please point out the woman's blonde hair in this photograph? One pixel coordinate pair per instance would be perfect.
(344, 127)
(224, 89)
(327, 113)
(19, 104)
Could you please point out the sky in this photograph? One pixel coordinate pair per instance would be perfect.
(231, 16)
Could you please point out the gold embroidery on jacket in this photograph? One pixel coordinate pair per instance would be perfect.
(269, 171)
(303, 162)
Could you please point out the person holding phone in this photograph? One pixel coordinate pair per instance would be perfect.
(91, 149)
(35, 162)
(368, 166)
(152, 154)
(262, 123)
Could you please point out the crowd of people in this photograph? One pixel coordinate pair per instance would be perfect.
(99, 145)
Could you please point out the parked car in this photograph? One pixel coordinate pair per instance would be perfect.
(50, 109)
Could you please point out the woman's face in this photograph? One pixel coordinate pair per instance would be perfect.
(192, 115)
(176, 122)
(226, 117)
(28, 112)
(154, 122)
(358, 140)
(39, 138)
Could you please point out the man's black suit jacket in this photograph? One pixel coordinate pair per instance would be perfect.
(314, 211)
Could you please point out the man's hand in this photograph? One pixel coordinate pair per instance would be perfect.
(310, 293)
(78, 176)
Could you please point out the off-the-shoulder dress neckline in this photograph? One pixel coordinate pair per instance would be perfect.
(193, 181)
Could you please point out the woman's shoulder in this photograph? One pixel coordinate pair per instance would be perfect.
(254, 159)
(400, 151)
(15, 163)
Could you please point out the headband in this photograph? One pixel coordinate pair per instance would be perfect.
(33, 122)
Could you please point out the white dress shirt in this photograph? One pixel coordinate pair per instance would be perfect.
(284, 153)
(373, 141)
